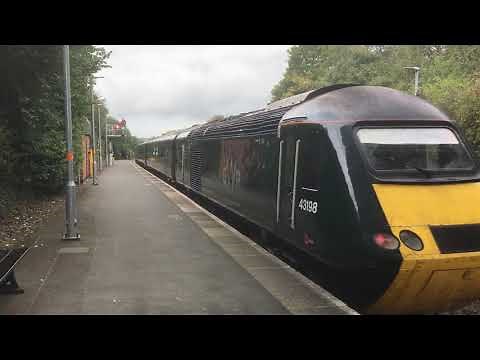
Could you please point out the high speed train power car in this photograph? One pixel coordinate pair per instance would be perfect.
(366, 179)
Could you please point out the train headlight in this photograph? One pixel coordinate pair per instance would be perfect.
(411, 240)
(386, 241)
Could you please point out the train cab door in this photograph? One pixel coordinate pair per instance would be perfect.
(289, 148)
(299, 202)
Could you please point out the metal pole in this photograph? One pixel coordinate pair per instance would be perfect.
(110, 146)
(106, 144)
(417, 73)
(99, 141)
(70, 188)
(93, 133)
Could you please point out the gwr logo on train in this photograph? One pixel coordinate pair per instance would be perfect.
(378, 185)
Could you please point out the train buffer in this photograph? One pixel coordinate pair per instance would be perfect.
(146, 248)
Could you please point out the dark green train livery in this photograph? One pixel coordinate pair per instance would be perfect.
(334, 171)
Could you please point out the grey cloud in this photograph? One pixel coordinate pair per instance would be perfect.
(159, 88)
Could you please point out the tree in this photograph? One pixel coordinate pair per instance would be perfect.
(124, 146)
(32, 112)
(449, 78)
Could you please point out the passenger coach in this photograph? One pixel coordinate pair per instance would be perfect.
(367, 179)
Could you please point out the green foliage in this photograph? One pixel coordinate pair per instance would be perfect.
(32, 140)
(449, 77)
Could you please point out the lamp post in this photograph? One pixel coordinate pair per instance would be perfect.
(107, 152)
(93, 128)
(99, 139)
(417, 74)
(99, 104)
(70, 204)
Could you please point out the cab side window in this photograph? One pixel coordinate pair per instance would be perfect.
(311, 160)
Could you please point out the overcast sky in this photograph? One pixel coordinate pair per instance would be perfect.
(161, 87)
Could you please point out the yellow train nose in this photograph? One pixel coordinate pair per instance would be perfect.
(444, 274)
(432, 284)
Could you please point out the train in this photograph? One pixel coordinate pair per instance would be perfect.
(367, 180)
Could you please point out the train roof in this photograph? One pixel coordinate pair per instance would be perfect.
(186, 132)
(300, 98)
(259, 122)
(342, 102)
(364, 102)
(171, 135)
(168, 136)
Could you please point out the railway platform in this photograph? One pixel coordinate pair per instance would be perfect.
(145, 248)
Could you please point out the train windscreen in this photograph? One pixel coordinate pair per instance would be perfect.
(425, 150)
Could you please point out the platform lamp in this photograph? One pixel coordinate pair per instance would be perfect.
(99, 105)
(71, 222)
(93, 127)
(417, 72)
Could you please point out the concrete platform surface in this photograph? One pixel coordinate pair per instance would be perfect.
(147, 249)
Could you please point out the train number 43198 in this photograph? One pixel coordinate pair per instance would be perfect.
(309, 206)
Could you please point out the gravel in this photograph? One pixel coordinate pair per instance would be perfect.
(472, 309)
(19, 226)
